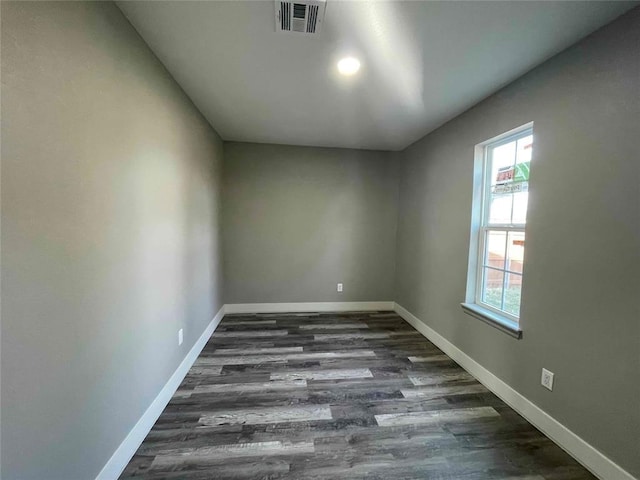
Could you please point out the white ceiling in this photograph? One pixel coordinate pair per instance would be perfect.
(423, 63)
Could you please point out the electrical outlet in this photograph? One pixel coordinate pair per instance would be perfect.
(547, 379)
(180, 337)
(339, 287)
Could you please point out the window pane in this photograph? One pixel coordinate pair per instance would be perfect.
(508, 198)
(515, 251)
(493, 281)
(520, 201)
(502, 157)
(495, 250)
(500, 210)
(513, 288)
(524, 149)
(501, 201)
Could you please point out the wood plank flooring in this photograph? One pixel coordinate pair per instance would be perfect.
(324, 396)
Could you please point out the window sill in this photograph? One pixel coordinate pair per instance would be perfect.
(497, 321)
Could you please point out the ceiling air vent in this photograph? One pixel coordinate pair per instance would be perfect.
(302, 16)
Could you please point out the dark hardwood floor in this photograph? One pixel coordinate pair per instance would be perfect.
(338, 396)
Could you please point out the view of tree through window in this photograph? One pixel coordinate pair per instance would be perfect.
(502, 236)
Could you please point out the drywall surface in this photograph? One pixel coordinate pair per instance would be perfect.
(298, 220)
(580, 311)
(110, 234)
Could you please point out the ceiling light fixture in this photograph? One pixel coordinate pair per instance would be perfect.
(349, 66)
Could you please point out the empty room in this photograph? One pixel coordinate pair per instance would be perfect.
(320, 240)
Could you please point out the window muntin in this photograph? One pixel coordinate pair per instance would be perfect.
(502, 225)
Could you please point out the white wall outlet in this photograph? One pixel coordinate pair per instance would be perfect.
(180, 337)
(339, 289)
(547, 379)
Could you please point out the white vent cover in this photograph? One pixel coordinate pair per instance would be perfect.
(304, 16)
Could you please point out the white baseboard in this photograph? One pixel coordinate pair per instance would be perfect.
(600, 465)
(306, 307)
(592, 459)
(123, 454)
(133, 440)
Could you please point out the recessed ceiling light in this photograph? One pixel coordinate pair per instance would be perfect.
(348, 66)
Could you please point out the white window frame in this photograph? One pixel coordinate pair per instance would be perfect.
(479, 228)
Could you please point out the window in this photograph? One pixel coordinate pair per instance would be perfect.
(496, 262)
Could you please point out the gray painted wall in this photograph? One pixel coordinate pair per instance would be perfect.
(298, 220)
(580, 310)
(110, 234)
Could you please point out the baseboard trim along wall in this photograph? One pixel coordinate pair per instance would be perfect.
(123, 454)
(306, 307)
(583, 452)
(134, 439)
(591, 458)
